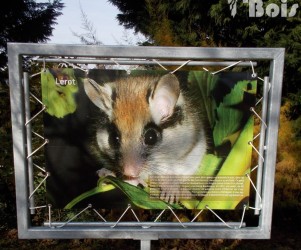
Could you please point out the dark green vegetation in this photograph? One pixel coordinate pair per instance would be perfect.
(25, 21)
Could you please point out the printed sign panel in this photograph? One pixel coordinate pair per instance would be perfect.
(149, 138)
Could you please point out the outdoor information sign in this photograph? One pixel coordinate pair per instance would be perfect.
(149, 138)
(171, 131)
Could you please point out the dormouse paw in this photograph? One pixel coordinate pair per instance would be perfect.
(105, 172)
(172, 194)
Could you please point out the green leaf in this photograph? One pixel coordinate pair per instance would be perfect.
(81, 197)
(236, 164)
(203, 83)
(136, 195)
(209, 165)
(59, 99)
(230, 118)
(139, 196)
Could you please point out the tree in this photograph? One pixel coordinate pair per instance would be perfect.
(90, 36)
(26, 21)
(166, 22)
(211, 23)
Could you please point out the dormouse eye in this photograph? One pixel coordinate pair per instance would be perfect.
(151, 136)
(114, 141)
(114, 136)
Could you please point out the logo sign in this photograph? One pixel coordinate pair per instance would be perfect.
(257, 9)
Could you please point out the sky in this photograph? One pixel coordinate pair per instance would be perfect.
(101, 14)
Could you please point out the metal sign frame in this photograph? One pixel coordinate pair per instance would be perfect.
(140, 230)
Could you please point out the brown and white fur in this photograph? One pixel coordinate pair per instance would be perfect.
(152, 128)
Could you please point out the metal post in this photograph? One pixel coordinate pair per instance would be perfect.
(28, 140)
(19, 138)
(266, 88)
(145, 244)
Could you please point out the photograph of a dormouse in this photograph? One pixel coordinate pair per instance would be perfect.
(151, 127)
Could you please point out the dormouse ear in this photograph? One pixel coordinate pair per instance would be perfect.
(99, 95)
(164, 98)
